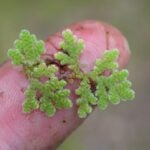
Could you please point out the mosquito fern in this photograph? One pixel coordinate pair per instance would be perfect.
(27, 49)
(45, 91)
(86, 99)
(48, 93)
(72, 49)
(113, 88)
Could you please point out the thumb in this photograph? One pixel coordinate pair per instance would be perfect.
(36, 131)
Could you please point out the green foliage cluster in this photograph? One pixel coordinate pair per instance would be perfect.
(48, 93)
(45, 91)
(113, 88)
(72, 49)
(27, 49)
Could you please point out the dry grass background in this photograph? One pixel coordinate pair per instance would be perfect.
(122, 127)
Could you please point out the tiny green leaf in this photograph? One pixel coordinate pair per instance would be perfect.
(47, 107)
(86, 98)
(72, 48)
(107, 62)
(27, 49)
(43, 70)
(16, 56)
(30, 105)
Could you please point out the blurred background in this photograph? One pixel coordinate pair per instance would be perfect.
(122, 127)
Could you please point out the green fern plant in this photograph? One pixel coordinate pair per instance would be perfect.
(50, 94)
(113, 88)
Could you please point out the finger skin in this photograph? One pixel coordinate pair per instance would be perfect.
(19, 131)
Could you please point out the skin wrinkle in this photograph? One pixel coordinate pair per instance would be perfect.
(49, 40)
(1, 94)
(3, 63)
(23, 89)
(19, 136)
(107, 41)
(4, 145)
